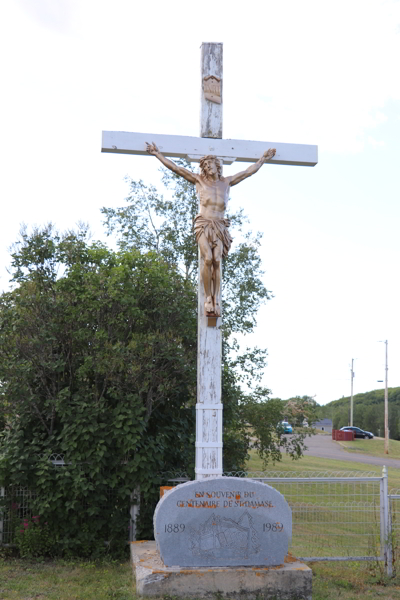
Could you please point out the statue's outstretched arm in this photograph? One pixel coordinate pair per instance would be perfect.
(188, 175)
(235, 179)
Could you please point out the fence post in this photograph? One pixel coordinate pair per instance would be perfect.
(382, 515)
(388, 552)
(135, 508)
(2, 495)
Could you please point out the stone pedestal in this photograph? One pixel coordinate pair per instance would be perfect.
(290, 581)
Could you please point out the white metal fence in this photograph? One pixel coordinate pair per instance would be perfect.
(336, 515)
(394, 525)
(15, 506)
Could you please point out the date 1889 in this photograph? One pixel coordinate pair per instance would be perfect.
(174, 528)
(273, 527)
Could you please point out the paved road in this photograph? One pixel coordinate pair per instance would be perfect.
(323, 446)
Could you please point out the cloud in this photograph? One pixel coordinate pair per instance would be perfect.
(375, 143)
(55, 15)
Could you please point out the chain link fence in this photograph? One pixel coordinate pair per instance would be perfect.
(337, 515)
(340, 515)
(16, 505)
(394, 527)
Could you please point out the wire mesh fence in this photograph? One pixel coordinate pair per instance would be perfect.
(394, 500)
(336, 515)
(15, 506)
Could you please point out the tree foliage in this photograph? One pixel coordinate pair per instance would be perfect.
(98, 365)
(368, 413)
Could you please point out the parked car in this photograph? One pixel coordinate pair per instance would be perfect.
(359, 433)
(287, 428)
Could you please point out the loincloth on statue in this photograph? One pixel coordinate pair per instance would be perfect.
(213, 229)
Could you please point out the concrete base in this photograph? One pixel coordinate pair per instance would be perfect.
(290, 581)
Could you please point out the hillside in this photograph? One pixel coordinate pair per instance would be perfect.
(368, 411)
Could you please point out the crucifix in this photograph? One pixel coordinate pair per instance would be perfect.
(211, 230)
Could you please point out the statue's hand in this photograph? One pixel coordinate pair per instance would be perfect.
(152, 148)
(268, 154)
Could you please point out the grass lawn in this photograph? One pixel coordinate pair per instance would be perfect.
(373, 447)
(312, 463)
(60, 580)
(79, 580)
(351, 581)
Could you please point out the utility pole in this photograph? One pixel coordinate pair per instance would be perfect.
(386, 398)
(386, 401)
(351, 397)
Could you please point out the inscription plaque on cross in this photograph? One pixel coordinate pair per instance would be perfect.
(211, 229)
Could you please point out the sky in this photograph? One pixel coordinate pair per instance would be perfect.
(310, 72)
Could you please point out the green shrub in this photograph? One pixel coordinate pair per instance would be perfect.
(34, 539)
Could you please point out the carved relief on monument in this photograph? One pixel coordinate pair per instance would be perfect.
(212, 89)
(223, 537)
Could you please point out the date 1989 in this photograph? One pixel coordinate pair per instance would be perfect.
(174, 528)
(273, 527)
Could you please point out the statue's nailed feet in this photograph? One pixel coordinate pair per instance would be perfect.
(212, 307)
(209, 305)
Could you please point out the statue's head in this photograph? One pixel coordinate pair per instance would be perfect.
(207, 166)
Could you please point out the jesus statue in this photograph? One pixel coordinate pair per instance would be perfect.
(210, 225)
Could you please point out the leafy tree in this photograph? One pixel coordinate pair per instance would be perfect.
(299, 408)
(393, 419)
(96, 365)
(370, 419)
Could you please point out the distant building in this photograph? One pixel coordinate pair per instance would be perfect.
(324, 425)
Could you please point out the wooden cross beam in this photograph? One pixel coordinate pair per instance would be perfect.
(193, 148)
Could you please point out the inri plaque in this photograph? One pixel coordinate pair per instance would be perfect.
(220, 522)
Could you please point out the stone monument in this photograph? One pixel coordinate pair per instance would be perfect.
(225, 536)
(228, 547)
(225, 521)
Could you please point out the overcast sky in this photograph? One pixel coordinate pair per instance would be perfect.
(312, 72)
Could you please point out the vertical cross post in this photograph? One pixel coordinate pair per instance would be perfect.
(2, 513)
(211, 91)
(209, 338)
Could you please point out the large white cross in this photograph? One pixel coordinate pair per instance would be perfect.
(209, 433)
(192, 148)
